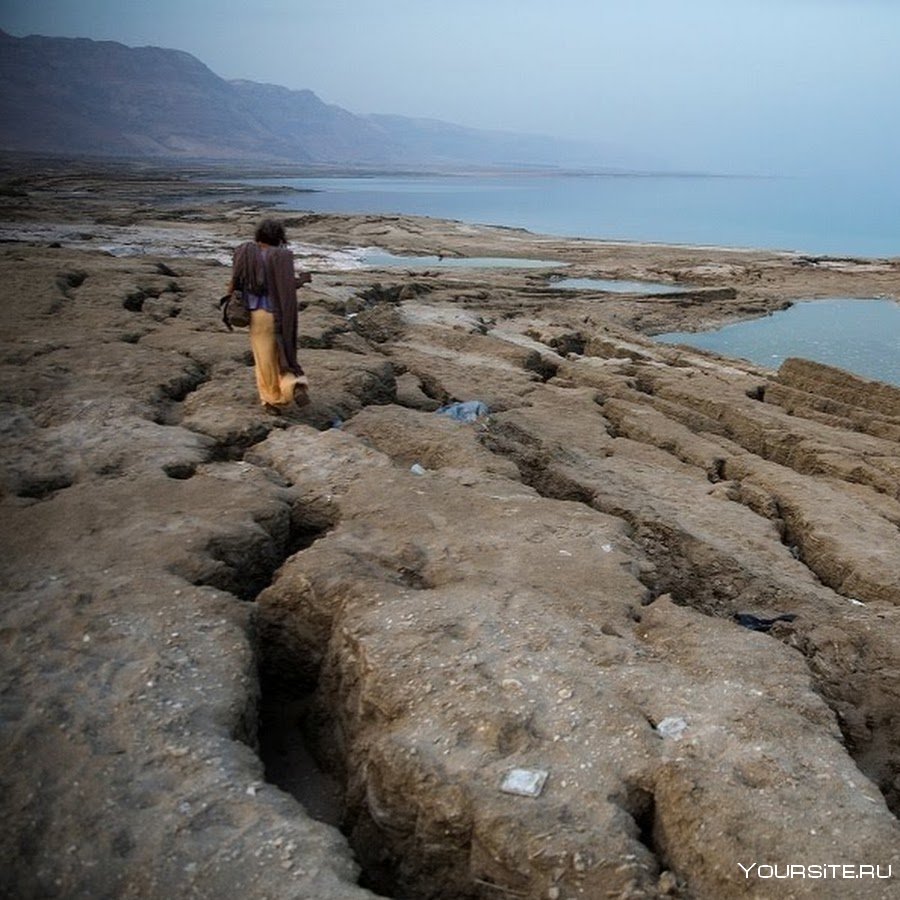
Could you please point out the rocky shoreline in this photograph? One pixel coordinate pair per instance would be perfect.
(635, 630)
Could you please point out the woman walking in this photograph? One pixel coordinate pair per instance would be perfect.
(263, 269)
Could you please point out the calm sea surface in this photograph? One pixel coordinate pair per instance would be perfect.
(859, 217)
(851, 216)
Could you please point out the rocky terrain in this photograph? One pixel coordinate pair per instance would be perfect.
(633, 633)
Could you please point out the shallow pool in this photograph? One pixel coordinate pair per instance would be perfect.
(861, 336)
(618, 286)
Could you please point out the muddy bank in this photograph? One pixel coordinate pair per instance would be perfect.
(653, 591)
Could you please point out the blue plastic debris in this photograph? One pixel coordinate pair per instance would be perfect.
(468, 412)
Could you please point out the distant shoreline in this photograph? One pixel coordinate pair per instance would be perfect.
(194, 167)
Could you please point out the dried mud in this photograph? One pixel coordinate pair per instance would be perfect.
(299, 656)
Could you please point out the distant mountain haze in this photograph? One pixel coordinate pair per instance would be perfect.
(79, 96)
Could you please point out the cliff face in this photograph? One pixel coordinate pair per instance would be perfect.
(101, 98)
(660, 587)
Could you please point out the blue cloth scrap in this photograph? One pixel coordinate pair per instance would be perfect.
(465, 412)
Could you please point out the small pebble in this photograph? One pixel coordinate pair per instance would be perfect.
(668, 884)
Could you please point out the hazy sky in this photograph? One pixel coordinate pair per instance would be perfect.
(729, 85)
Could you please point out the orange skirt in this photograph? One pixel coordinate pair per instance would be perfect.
(275, 387)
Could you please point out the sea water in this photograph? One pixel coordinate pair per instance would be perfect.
(862, 336)
(818, 215)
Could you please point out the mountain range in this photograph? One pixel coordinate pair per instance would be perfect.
(77, 96)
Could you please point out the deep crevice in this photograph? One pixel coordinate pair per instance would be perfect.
(542, 367)
(285, 749)
(432, 389)
(134, 301)
(288, 736)
(716, 471)
(244, 563)
(289, 733)
(174, 392)
(292, 757)
(233, 448)
(640, 804)
(186, 383)
(570, 343)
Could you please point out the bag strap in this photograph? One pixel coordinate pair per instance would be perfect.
(223, 305)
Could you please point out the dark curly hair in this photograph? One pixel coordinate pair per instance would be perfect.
(271, 232)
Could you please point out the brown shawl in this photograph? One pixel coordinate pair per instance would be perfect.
(273, 274)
